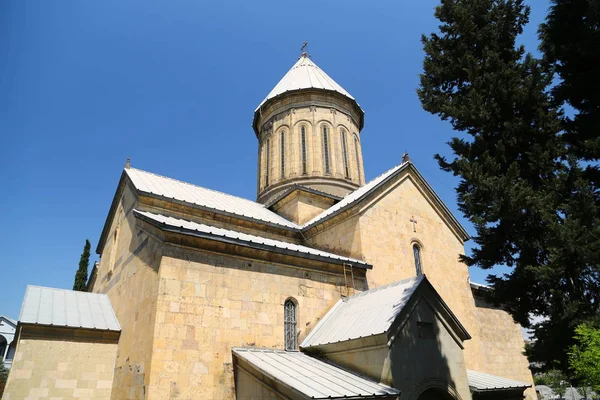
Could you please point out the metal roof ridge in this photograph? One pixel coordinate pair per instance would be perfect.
(417, 280)
(194, 185)
(9, 319)
(67, 290)
(366, 188)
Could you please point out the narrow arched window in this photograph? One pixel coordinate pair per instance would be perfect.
(303, 149)
(289, 313)
(326, 149)
(282, 154)
(345, 154)
(417, 254)
(357, 156)
(267, 161)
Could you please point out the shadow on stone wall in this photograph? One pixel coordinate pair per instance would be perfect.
(425, 359)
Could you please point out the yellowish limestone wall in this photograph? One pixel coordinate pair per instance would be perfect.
(209, 303)
(343, 238)
(128, 274)
(302, 207)
(502, 345)
(383, 235)
(388, 235)
(61, 369)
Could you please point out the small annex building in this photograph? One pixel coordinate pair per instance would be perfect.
(327, 286)
(8, 326)
(66, 346)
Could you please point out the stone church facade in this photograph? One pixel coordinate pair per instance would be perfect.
(326, 287)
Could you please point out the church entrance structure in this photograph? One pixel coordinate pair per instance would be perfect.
(435, 394)
(327, 286)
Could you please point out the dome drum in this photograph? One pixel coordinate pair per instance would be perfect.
(308, 130)
(306, 98)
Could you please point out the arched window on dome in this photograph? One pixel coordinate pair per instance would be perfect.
(417, 254)
(303, 148)
(289, 322)
(357, 156)
(282, 154)
(326, 149)
(345, 154)
(267, 161)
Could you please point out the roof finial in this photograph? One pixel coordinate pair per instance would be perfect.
(128, 163)
(405, 157)
(303, 49)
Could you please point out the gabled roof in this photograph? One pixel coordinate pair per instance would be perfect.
(357, 195)
(372, 312)
(361, 193)
(480, 381)
(305, 74)
(67, 308)
(369, 313)
(310, 377)
(172, 189)
(10, 320)
(243, 239)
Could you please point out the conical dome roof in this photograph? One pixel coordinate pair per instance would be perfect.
(305, 74)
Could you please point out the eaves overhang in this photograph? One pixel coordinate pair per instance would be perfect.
(337, 260)
(266, 103)
(218, 211)
(301, 188)
(111, 212)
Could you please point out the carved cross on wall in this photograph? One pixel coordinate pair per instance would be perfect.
(414, 222)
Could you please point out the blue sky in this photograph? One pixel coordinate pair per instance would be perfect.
(173, 85)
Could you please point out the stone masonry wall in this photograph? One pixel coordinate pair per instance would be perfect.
(61, 369)
(502, 345)
(388, 236)
(128, 274)
(343, 238)
(302, 207)
(209, 303)
(382, 234)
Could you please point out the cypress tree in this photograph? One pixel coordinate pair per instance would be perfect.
(520, 185)
(81, 276)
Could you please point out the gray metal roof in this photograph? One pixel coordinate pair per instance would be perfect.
(311, 377)
(12, 321)
(480, 286)
(371, 312)
(68, 308)
(244, 237)
(480, 381)
(186, 192)
(305, 74)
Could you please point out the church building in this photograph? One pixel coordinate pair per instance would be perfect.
(325, 287)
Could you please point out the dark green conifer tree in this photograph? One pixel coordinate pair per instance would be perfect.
(81, 276)
(571, 46)
(519, 183)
